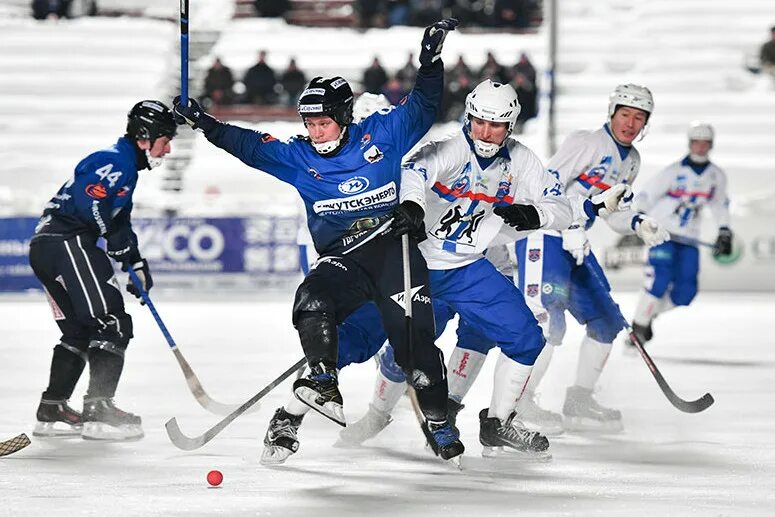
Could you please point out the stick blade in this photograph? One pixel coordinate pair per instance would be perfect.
(15, 444)
(180, 440)
(694, 406)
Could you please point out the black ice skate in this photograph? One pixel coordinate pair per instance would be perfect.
(320, 391)
(102, 420)
(453, 408)
(512, 436)
(582, 412)
(444, 439)
(57, 419)
(281, 439)
(369, 426)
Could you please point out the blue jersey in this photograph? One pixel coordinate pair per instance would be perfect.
(362, 179)
(97, 200)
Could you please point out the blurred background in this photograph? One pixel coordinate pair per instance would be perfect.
(71, 69)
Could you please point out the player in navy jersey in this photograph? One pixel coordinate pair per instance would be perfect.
(348, 176)
(79, 281)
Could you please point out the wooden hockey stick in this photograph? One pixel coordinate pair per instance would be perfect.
(186, 443)
(15, 444)
(201, 396)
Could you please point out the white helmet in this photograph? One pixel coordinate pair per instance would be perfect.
(368, 103)
(495, 102)
(700, 131)
(631, 95)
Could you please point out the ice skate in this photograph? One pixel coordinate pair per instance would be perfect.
(453, 408)
(320, 391)
(582, 412)
(57, 419)
(102, 420)
(497, 437)
(281, 439)
(444, 439)
(536, 418)
(369, 426)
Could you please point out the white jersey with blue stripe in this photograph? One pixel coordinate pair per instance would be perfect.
(677, 195)
(589, 162)
(459, 191)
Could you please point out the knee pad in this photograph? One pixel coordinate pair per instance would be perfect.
(113, 328)
(469, 339)
(310, 300)
(79, 348)
(604, 330)
(388, 366)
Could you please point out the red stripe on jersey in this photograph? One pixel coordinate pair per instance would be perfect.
(479, 196)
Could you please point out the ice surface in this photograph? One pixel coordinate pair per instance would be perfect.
(720, 462)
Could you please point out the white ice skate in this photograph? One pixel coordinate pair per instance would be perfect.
(536, 418)
(369, 426)
(582, 412)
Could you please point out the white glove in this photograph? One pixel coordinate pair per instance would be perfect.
(574, 241)
(650, 231)
(616, 198)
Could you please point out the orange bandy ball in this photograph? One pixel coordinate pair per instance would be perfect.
(214, 477)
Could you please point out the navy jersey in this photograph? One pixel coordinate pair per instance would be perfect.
(362, 179)
(97, 200)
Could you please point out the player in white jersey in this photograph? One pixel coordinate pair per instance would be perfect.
(557, 272)
(467, 186)
(676, 198)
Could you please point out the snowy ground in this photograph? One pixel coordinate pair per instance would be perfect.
(719, 462)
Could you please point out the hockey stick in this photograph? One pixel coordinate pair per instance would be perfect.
(15, 444)
(182, 441)
(687, 406)
(192, 380)
(184, 52)
(680, 239)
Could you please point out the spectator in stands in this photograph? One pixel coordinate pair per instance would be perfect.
(460, 68)
(56, 9)
(455, 93)
(398, 13)
(767, 54)
(371, 13)
(407, 73)
(293, 82)
(493, 70)
(272, 8)
(219, 84)
(260, 82)
(425, 12)
(374, 77)
(394, 91)
(524, 67)
(512, 13)
(528, 99)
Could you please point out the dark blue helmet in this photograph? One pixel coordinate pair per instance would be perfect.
(330, 97)
(149, 120)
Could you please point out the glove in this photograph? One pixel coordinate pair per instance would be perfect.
(575, 242)
(520, 217)
(143, 273)
(723, 242)
(193, 115)
(126, 255)
(433, 40)
(408, 217)
(650, 231)
(617, 198)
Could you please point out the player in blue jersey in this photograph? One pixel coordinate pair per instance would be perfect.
(348, 176)
(79, 280)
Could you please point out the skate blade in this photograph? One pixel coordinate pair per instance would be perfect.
(56, 430)
(330, 410)
(581, 424)
(509, 454)
(274, 455)
(100, 431)
(456, 462)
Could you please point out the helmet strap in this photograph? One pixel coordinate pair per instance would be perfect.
(327, 148)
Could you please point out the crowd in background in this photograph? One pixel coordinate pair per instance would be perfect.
(767, 54)
(262, 85)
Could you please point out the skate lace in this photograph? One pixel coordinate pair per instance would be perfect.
(514, 430)
(282, 427)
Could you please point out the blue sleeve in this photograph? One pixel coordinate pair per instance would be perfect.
(417, 112)
(258, 150)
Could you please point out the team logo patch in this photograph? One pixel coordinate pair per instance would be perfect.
(96, 191)
(124, 191)
(532, 289)
(416, 297)
(547, 289)
(373, 154)
(534, 255)
(365, 140)
(266, 138)
(353, 185)
(314, 173)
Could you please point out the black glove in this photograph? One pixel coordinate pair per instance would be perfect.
(125, 255)
(193, 115)
(143, 273)
(723, 242)
(433, 40)
(521, 217)
(408, 218)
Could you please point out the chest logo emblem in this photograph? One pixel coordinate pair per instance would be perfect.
(354, 185)
(373, 154)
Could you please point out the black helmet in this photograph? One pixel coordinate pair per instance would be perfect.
(330, 97)
(148, 120)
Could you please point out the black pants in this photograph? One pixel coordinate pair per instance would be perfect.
(88, 308)
(340, 283)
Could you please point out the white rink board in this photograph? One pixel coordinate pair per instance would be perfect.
(719, 462)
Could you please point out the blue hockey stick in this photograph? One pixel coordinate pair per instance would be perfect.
(687, 406)
(192, 380)
(184, 52)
